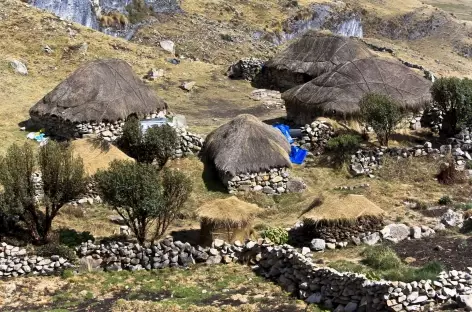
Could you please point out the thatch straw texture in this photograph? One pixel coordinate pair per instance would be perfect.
(339, 91)
(343, 207)
(312, 55)
(101, 90)
(228, 212)
(246, 145)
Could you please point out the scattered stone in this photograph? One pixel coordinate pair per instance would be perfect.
(452, 219)
(318, 244)
(396, 232)
(188, 86)
(19, 67)
(168, 45)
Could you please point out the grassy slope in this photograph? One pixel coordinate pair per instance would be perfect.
(228, 288)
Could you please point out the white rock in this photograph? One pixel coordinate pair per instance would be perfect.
(168, 45)
(19, 67)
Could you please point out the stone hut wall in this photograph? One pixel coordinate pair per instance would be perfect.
(271, 182)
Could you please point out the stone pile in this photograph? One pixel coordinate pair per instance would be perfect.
(315, 136)
(190, 143)
(272, 182)
(339, 236)
(246, 69)
(269, 98)
(15, 261)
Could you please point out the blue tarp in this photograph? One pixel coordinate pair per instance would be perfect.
(285, 131)
(297, 154)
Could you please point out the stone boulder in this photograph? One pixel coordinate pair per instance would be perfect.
(168, 46)
(452, 219)
(19, 67)
(396, 232)
(318, 244)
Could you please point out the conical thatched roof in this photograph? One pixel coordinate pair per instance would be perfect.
(312, 55)
(100, 90)
(245, 145)
(343, 207)
(339, 91)
(230, 211)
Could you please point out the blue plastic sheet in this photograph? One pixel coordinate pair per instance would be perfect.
(285, 131)
(297, 155)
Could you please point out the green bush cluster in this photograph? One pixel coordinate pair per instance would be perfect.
(445, 200)
(72, 238)
(138, 11)
(277, 235)
(157, 144)
(54, 249)
(381, 258)
(382, 113)
(343, 146)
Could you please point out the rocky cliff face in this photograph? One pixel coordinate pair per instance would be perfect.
(79, 11)
(87, 12)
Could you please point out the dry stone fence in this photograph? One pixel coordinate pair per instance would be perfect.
(295, 271)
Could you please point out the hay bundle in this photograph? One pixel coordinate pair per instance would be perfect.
(246, 145)
(341, 217)
(229, 219)
(101, 90)
(338, 92)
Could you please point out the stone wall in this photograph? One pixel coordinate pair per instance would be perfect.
(190, 143)
(246, 69)
(295, 271)
(366, 161)
(15, 261)
(271, 182)
(315, 136)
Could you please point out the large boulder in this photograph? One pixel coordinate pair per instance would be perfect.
(396, 232)
(318, 244)
(452, 219)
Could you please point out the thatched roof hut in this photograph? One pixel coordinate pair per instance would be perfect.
(338, 92)
(101, 90)
(229, 219)
(312, 55)
(246, 145)
(341, 217)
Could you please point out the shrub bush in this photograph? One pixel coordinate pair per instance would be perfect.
(277, 235)
(143, 196)
(381, 258)
(445, 200)
(156, 144)
(72, 238)
(343, 146)
(382, 113)
(53, 249)
(448, 174)
(453, 96)
(63, 178)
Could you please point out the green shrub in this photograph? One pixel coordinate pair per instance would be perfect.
(144, 196)
(277, 235)
(53, 249)
(464, 206)
(156, 144)
(72, 238)
(63, 178)
(381, 258)
(343, 146)
(382, 113)
(138, 11)
(445, 200)
(453, 96)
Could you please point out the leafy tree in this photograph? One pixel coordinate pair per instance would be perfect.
(142, 195)
(453, 96)
(157, 144)
(63, 179)
(343, 146)
(382, 113)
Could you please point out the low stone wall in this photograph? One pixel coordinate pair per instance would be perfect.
(190, 143)
(272, 182)
(366, 161)
(315, 136)
(343, 235)
(247, 69)
(293, 270)
(15, 261)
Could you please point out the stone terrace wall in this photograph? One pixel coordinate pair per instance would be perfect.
(15, 261)
(272, 182)
(293, 270)
(315, 136)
